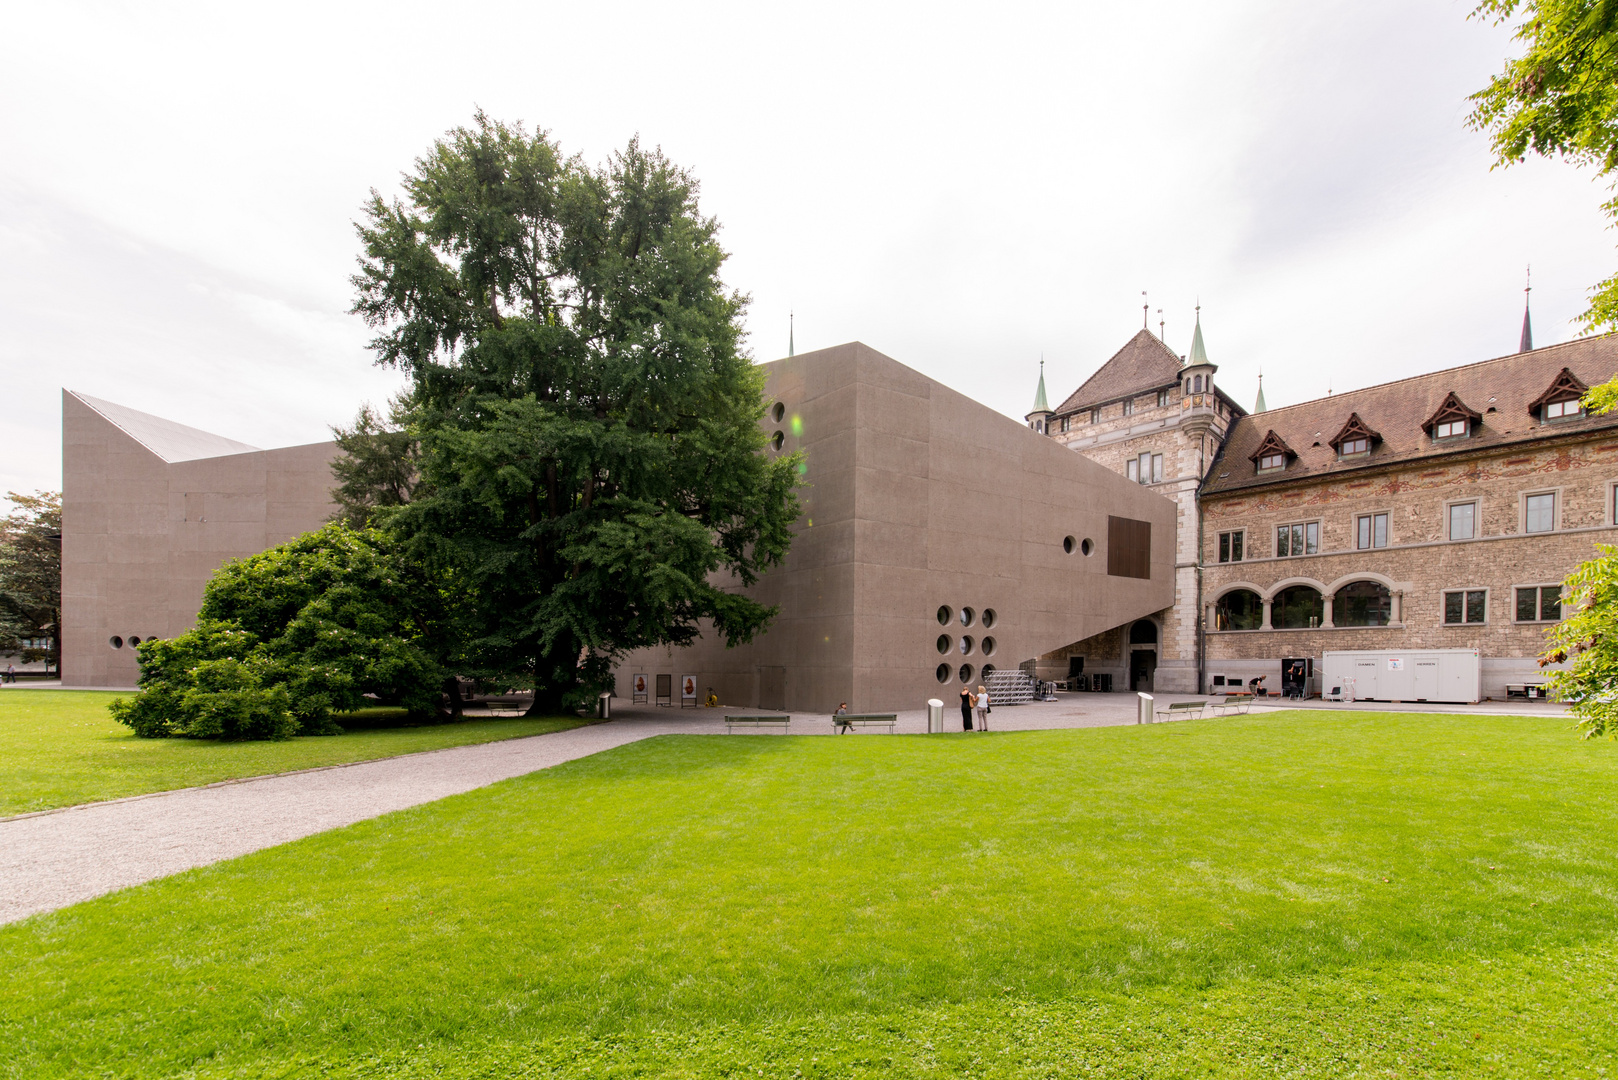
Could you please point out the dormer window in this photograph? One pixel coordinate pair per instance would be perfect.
(1272, 461)
(1451, 420)
(1273, 454)
(1351, 447)
(1564, 410)
(1451, 429)
(1356, 438)
(1560, 401)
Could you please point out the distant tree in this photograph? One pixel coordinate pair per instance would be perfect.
(378, 468)
(31, 576)
(286, 640)
(1560, 98)
(594, 467)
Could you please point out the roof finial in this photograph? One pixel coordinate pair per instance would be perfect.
(1527, 343)
(1145, 311)
(792, 349)
(1160, 324)
(1258, 406)
(1040, 404)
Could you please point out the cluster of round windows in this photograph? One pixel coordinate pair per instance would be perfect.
(117, 642)
(777, 412)
(1086, 546)
(966, 643)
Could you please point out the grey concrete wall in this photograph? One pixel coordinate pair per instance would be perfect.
(919, 498)
(141, 536)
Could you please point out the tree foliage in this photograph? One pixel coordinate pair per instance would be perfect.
(1560, 98)
(31, 576)
(378, 468)
(593, 467)
(328, 623)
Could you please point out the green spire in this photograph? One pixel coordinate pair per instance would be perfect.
(1199, 355)
(1039, 395)
(1258, 406)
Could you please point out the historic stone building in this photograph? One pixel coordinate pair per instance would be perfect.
(1440, 511)
(1159, 420)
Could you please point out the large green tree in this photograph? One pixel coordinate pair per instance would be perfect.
(31, 576)
(1558, 99)
(594, 471)
(378, 469)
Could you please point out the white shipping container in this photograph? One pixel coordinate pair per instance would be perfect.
(1454, 675)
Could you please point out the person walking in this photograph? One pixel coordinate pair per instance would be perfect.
(966, 708)
(983, 708)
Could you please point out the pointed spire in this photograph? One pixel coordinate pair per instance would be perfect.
(1527, 344)
(792, 347)
(1199, 354)
(1258, 405)
(1040, 404)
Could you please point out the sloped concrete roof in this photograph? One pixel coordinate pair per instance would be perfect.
(170, 441)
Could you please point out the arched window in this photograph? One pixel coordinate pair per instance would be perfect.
(1362, 603)
(1297, 608)
(1239, 609)
(1143, 633)
(1197, 382)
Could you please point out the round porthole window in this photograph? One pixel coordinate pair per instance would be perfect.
(988, 646)
(944, 615)
(943, 673)
(777, 439)
(966, 646)
(133, 641)
(115, 641)
(1067, 544)
(777, 411)
(966, 672)
(967, 615)
(988, 669)
(1088, 547)
(944, 643)
(988, 617)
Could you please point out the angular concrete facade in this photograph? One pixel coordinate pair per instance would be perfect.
(921, 499)
(150, 509)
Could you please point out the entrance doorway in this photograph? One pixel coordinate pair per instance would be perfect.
(1142, 666)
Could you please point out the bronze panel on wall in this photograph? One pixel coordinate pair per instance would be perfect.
(1129, 547)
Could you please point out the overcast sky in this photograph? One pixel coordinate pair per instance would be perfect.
(965, 188)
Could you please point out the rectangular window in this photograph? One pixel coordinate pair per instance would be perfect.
(1064, 423)
(1449, 429)
(1132, 469)
(1463, 520)
(1301, 539)
(1129, 407)
(1095, 416)
(1371, 531)
(1351, 447)
(1230, 546)
(1563, 410)
(1540, 513)
(1162, 398)
(1272, 461)
(1539, 603)
(1469, 606)
(1157, 468)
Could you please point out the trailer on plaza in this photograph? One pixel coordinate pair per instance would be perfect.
(1450, 675)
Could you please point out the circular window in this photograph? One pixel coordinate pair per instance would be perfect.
(1067, 544)
(966, 672)
(944, 643)
(967, 615)
(944, 614)
(988, 617)
(988, 669)
(115, 641)
(777, 411)
(133, 641)
(777, 439)
(966, 645)
(988, 646)
(1088, 547)
(943, 673)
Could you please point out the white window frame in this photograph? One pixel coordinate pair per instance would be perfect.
(1449, 520)
(1439, 435)
(1278, 456)
(1344, 451)
(1556, 511)
(1387, 537)
(1545, 416)
(1443, 595)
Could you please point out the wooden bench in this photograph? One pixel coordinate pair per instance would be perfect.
(850, 721)
(732, 722)
(1233, 703)
(1184, 710)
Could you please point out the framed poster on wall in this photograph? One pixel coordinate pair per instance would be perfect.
(638, 687)
(688, 691)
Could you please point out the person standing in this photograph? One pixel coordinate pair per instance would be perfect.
(966, 708)
(983, 708)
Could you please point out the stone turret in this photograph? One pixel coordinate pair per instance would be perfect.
(1040, 418)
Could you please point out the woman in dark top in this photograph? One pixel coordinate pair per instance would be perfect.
(966, 708)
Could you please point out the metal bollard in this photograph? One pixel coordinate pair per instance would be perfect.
(1145, 714)
(604, 705)
(935, 716)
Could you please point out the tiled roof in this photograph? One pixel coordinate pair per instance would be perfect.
(1144, 363)
(1501, 390)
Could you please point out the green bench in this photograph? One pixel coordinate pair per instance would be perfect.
(1233, 703)
(734, 722)
(1184, 710)
(850, 721)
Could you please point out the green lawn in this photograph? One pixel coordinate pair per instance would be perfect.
(1301, 894)
(60, 748)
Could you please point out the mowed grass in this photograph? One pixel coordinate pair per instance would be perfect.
(1302, 894)
(61, 748)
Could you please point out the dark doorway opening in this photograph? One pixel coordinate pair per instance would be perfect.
(1143, 632)
(1075, 666)
(1142, 666)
